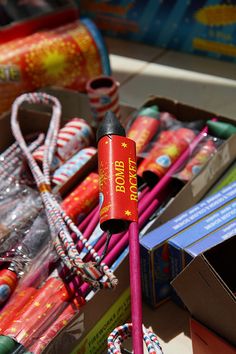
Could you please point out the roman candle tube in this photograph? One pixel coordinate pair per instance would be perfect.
(118, 194)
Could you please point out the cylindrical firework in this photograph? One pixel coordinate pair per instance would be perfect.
(74, 136)
(103, 97)
(83, 198)
(117, 176)
(195, 164)
(144, 127)
(72, 166)
(51, 296)
(165, 152)
(67, 56)
(16, 305)
(52, 331)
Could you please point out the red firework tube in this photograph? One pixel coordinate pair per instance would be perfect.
(46, 302)
(84, 224)
(166, 151)
(67, 56)
(83, 198)
(195, 164)
(165, 180)
(16, 306)
(73, 137)
(103, 97)
(118, 193)
(51, 332)
(145, 127)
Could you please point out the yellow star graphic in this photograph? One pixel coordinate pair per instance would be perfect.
(37, 304)
(124, 145)
(48, 306)
(128, 212)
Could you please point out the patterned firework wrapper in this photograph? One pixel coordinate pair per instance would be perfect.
(168, 148)
(39, 313)
(103, 97)
(83, 198)
(52, 331)
(195, 164)
(118, 192)
(73, 137)
(16, 306)
(67, 56)
(73, 166)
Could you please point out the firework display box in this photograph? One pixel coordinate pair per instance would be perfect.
(207, 287)
(107, 309)
(88, 330)
(205, 341)
(207, 228)
(199, 27)
(155, 258)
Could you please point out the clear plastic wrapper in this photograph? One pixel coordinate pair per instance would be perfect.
(18, 205)
(198, 159)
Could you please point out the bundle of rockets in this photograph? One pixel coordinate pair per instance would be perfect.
(43, 281)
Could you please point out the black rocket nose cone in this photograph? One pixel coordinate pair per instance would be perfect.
(110, 126)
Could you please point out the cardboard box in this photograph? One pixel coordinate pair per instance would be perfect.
(206, 226)
(209, 241)
(197, 27)
(154, 250)
(207, 287)
(205, 341)
(97, 311)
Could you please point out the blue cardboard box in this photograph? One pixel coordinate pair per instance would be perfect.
(204, 27)
(155, 257)
(206, 226)
(202, 245)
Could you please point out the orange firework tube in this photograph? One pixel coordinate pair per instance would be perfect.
(117, 176)
(67, 56)
(83, 198)
(165, 152)
(195, 164)
(74, 136)
(144, 128)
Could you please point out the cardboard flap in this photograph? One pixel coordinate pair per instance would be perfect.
(207, 298)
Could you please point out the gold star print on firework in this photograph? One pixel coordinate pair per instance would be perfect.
(30, 320)
(118, 181)
(82, 199)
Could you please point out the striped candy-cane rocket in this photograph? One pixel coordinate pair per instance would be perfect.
(72, 166)
(74, 136)
(103, 96)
